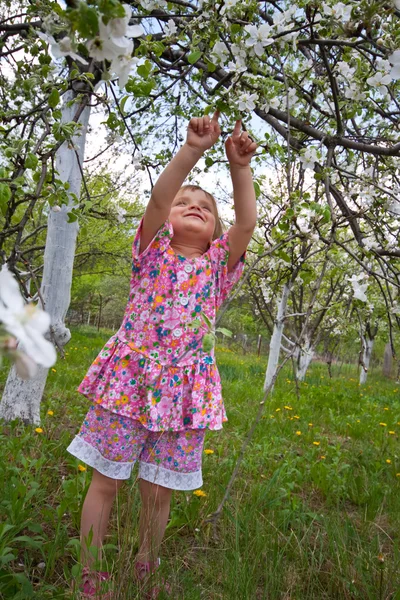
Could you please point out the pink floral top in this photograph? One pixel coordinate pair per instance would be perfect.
(154, 369)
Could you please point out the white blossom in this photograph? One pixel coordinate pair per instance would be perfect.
(152, 4)
(170, 28)
(309, 158)
(258, 38)
(61, 48)
(220, 50)
(26, 322)
(359, 289)
(247, 102)
(339, 10)
(118, 28)
(229, 5)
(120, 214)
(345, 69)
(394, 59)
(122, 65)
(354, 92)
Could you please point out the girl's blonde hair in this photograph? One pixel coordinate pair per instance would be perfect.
(219, 226)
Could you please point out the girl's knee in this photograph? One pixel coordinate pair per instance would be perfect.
(151, 492)
(106, 485)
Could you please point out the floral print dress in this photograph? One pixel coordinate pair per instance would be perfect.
(153, 369)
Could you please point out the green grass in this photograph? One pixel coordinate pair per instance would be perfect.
(314, 515)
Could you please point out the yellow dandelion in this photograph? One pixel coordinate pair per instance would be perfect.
(288, 408)
(383, 424)
(81, 468)
(296, 417)
(54, 370)
(323, 457)
(298, 432)
(39, 430)
(316, 443)
(358, 421)
(50, 412)
(199, 493)
(310, 424)
(276, 410)
(385, 408)
(272, 416)
(392, 432)
(208, 451)
(388, 461)
(397, 474)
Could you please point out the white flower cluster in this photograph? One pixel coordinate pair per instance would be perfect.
(152, 4)
(259, 38)
(113, 43)
(309, 157)
(229, 5)
(338, 10)
(27, 323)
(359, 288)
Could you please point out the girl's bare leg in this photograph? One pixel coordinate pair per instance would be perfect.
(154, 513)
(96, 513)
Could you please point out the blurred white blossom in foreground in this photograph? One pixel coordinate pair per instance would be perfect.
(26, 323)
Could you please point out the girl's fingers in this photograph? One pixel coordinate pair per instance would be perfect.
(216, 116)
(206, 120)
(237, 128)
(200, 126)
(193, 124)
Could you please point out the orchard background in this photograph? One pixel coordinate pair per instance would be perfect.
(95, 97)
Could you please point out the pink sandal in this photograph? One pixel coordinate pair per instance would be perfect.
(91, 585)
(144, 570)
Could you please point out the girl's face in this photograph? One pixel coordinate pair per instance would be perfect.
(192, 212)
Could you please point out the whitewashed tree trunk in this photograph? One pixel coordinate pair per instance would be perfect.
(305, 356)
(368, 344)
(276, 338)
(21, 399)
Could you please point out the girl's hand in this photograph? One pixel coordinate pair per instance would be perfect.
(203, 132)
(239, 148)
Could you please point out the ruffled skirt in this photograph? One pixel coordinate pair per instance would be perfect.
(161, 397)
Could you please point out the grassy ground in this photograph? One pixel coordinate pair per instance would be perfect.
(314, 513)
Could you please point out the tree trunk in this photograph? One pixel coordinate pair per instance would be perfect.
(276, 339)
(387, 360)
(305, 356)
(368, 344)
(21, 398)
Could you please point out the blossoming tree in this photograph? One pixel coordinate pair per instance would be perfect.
(319, 82)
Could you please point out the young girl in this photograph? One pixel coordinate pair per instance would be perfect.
(154, 390)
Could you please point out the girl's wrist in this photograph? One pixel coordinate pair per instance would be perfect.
(194, 150)
(238, 167)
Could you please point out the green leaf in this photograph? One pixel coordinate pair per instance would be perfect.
(122, 104)
(72, 217)
(54, 98)
(194, 56)
(284, 256)
(207, 321)
(5, 195)
(145, 69)
(31, 161)
(224, 331)
(208, 342)
(209, 161)
(257, 189)
(88, 23)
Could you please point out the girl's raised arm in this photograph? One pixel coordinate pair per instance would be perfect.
(239, 150)
(202, 134)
